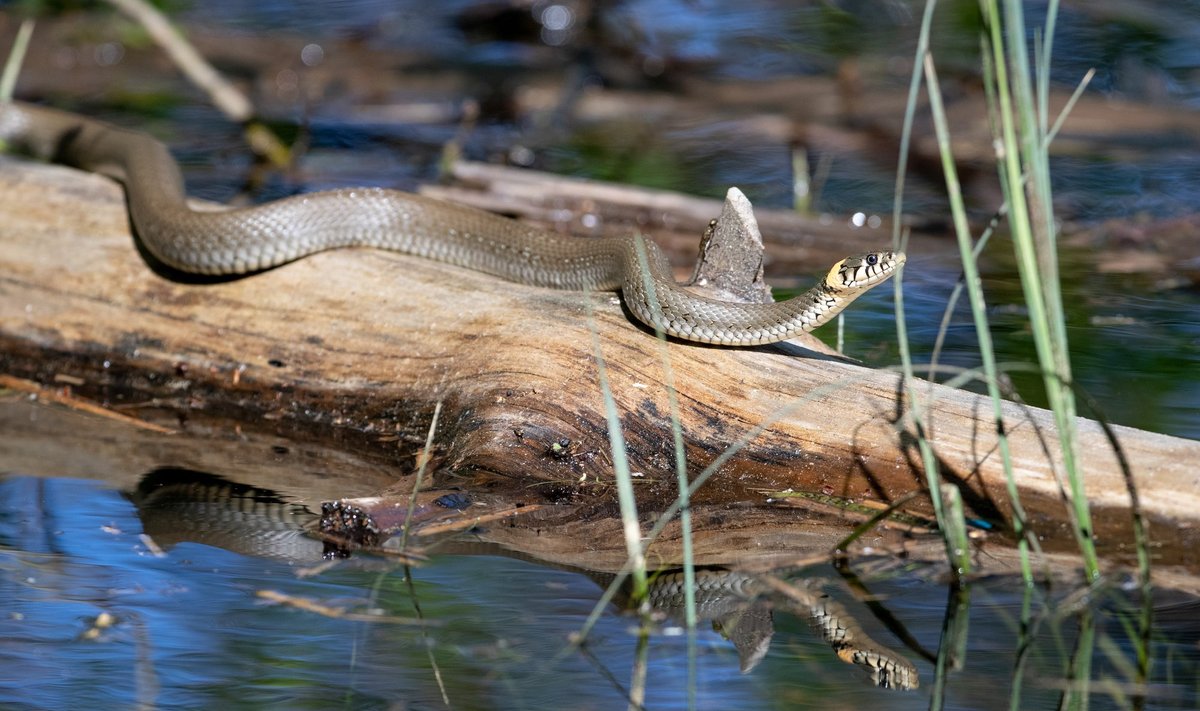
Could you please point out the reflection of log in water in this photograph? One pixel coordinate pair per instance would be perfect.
(178, 505)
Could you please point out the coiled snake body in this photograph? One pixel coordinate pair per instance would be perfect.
(244, 240)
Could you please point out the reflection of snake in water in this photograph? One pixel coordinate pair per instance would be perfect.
(244, 240)
(740, 604)
(177, 505)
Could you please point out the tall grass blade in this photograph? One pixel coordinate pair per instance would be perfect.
(681, 475)
(983, 332)
(624, 479)
(899, 239)
(1002, 212)
(1034, 241)
(910, 110)
(955, 531)
(423, 458)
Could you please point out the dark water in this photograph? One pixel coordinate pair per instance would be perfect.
(189, 628)
(1112, 319)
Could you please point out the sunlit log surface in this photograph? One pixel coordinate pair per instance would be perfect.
(359, 346)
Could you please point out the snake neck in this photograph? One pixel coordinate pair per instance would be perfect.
(660, 303)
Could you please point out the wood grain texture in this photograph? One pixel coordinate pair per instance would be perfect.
(364, 343)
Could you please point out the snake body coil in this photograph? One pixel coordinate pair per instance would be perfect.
(249, 239)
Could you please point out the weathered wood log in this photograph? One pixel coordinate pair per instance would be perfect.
(364, 343)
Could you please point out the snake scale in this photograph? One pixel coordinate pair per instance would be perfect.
(244, 240)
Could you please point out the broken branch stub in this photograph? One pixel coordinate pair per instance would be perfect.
(730, 265)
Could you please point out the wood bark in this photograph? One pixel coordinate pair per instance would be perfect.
(363, 344)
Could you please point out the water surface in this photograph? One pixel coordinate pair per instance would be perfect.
(189, 628)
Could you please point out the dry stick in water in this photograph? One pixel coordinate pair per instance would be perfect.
(224, 95)
(77, 403)
(310, 605)
(15, 58)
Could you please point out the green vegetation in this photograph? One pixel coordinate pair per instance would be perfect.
(1019, 113)
(1020, 117)
(1023, 127)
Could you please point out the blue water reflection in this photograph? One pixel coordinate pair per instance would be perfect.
(190, 631)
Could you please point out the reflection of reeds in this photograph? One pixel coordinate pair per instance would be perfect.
(952, 648)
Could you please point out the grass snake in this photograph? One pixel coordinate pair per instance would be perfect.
(249, 239)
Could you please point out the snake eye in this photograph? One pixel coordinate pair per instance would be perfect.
(872, 259)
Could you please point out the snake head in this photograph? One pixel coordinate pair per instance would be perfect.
(863, 271)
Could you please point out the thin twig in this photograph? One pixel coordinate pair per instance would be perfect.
(310, 605)
(77, 403)
(423, 458)
(16, 57)
(468, 523)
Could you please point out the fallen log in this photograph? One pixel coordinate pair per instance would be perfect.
(363, 344)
